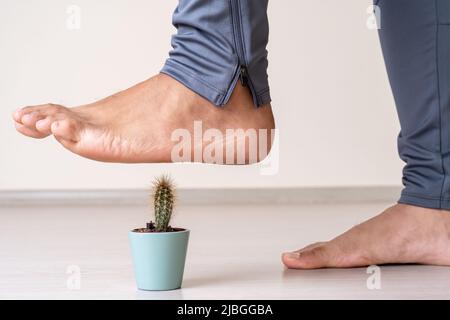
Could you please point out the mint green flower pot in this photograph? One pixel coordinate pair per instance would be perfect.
(159, 258)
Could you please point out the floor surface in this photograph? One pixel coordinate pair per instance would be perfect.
(234, 253)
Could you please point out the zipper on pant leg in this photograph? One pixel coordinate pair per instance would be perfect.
(239, 41)
(243, 76)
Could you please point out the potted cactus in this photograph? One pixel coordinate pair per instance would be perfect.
(159, 250)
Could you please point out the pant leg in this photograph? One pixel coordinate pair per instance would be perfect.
(217, 43)
(415, 37)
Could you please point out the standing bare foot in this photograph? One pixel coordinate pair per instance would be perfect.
(135, 125)
(400, 234)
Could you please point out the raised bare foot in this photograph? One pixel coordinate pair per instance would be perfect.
(400, 234)
(136, 125)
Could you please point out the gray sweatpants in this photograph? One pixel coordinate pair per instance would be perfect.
(218, 43)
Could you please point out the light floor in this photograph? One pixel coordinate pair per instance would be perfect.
(234, 253)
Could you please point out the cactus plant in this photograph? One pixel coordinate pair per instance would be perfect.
(163, 197)
(158, 250)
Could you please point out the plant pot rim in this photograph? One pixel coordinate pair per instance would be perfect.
(177, 230)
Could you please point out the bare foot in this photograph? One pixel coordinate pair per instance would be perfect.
(400, 234)
(136, 125)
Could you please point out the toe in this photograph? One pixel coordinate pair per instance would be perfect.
(30, 119)
(66, 129)
(44, 110)
(30, 132)
(17, 115)
(315, 258)
(290, 258)
(22, 112)
(44, 125)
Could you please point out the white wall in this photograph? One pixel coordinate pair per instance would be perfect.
(330, 92)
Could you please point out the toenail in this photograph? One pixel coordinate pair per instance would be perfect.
(293, 255)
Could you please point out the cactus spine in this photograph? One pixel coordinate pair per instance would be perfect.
(163, 196)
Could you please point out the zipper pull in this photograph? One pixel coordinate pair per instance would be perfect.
(243, 76)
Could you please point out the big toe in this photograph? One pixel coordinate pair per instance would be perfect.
(313, 258)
